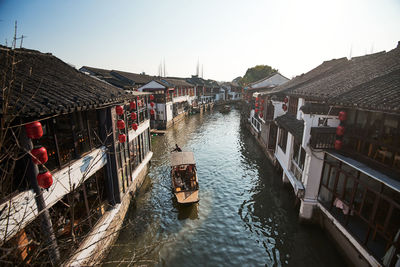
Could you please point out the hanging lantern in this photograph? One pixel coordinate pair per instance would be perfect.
(152, 112)
(122, 138)
(133, 116)
(39, 155)
(119, 110)
(338, 144)
(152, 104)
(340, 130)
(45, 180)
(257, 98)
(256, 104)
(134, 126)
(262, 108)
(342, 115)
(286, 100)
(151, 97)
(121, 124)
(260, 115)
(132, 105)
(256, 110)
(34, 130)
(138, 98)
(284, 107)
(262, 101)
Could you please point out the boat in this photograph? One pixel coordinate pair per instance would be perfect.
(184, 177)
(225, 109)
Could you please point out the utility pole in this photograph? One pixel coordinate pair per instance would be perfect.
(14, 44)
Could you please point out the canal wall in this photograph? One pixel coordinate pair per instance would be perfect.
(103, 235)
(176, 119)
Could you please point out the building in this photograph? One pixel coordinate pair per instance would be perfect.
(338, 146)
(121, 79)
(172, 99)
(74, 148)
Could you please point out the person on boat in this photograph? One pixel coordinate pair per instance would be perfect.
(177, 148)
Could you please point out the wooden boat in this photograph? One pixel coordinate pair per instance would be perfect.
(184, 177)
(225, 109)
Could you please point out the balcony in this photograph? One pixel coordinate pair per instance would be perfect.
(323, 137)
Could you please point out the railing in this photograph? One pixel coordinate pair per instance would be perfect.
(323, 137)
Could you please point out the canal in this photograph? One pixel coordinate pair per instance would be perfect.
(245, 216)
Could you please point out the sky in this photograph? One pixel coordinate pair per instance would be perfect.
(225, 37)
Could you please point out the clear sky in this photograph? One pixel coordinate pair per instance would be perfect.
(227, 37)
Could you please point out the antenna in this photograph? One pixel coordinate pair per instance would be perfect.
(202, 71)
(15, 36)
(22, 39)
(351, 51)
(165, 73)
(197, 68)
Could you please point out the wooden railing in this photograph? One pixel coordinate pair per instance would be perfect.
(323, 137)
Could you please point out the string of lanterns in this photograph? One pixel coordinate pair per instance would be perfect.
(152, 112)
(259, 106)
(120, 124)
(34, 131)
(340, 130)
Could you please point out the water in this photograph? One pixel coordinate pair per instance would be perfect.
(245, 216)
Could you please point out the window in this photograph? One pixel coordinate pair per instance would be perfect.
(282, 139)
(80, 130)
(48, 142)
(293, 102)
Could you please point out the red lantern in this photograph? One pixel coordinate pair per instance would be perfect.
(260, 115)
(39, 155)
(134, 126)
(340, 130)
(262, 101)
(132, 105)
(122, 138)
(152, 104)
(262, 108)
(45, 180)
(34, 130)
(284, 107)
(138, 98)
(257, 99)
(119, 110)
(133, 116)
(338, 144)
(286, 100)
(121, 124)
(256, 110)
(256, 104)
(151, 97)
(152, 112)
(342, 115)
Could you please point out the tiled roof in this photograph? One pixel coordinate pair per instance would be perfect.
(380, 94)
(317, 73)
(140, 79)
(45, 85)
(292, 125)
(175, 82)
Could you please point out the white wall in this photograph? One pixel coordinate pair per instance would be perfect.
(168, 109)
(273, 81)
(278, 111)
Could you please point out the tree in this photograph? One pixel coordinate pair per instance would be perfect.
(257, 73)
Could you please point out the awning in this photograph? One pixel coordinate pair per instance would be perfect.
(182, 158)
(394, 184)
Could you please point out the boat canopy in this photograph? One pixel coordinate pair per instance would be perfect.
(182, 158)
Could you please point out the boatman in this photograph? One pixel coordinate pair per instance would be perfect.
(177, 148)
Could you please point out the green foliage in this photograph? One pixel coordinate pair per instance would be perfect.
(257, 73)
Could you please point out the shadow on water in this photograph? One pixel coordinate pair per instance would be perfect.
(245, 216)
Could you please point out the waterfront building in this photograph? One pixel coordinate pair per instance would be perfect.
(173, 97)
(207, 91)
(338, 146)
(264, 110)
(232, 91)
(73, 151)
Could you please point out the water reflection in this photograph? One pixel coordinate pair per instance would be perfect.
(245, 216)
